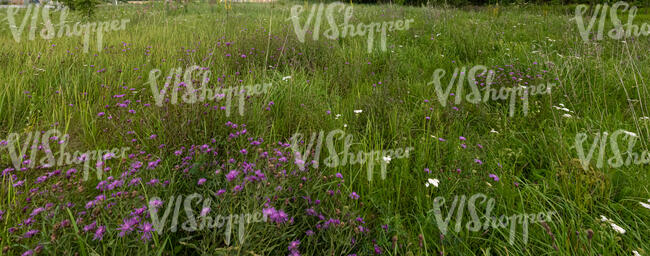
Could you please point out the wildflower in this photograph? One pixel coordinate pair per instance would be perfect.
(157, 203)
(378, 249)
(433, 182)
(99, 233)
(387, 159)
(358, 111)
(146, 229)
(205, 211)
(37, 211)
(354, 195)
(494, 177)
(286, 78)
(127, 227)
(90, 227)
(616, 228)
(31, 233)
(293, 245)
(201, 181)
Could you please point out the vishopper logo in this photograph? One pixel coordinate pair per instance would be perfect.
(486, 221)
(600, 142)
(336, 159)
(49, 30)
(346, 29)
(619, 31)
(194, 95)
(204, 218)
(461, 76)
(18, 150)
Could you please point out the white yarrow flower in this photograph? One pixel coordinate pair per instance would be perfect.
(617, 228)
(433, 182)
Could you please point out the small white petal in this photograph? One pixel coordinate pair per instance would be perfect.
(603, 218)
(358, 111)
(618, 228)
(635, 253)
(286, 78)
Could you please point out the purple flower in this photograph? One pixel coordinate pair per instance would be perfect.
(293, 245)
(232, 175)
(494, 176)
(127, 227)
(354, 195)
(378, 249)
(90, 227)
(205, 211)
(146, 229)
(37, 211)
(30, 233)
(201, 181)
(99, 233)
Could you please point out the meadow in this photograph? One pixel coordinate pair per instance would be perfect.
(239, 157)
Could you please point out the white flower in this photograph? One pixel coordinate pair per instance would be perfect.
(645, 205)
(567, 115)
(635, 253)
(286, 78)
(563, 108)
(433, 182)
(337, 116)
(617, 228)
(358, 111)
(493, 131)
(387, 159)
(345, 125)
(645, 118)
